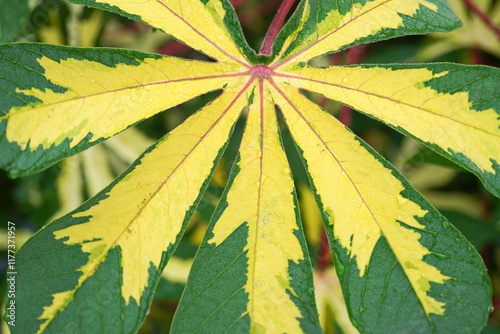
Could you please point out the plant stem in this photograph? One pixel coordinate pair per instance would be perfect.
(275, 26)
(473, 7)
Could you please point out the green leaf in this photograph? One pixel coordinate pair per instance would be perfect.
(13, 16)
(114, 247)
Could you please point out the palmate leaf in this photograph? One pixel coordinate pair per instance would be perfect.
(402, 266)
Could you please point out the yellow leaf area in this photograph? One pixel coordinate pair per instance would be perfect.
(104, 100)
(177, 269)
(331, 304)
(261, 195)
(359, 193)
(196, 24)
(337, 30)
(144, 212)
(400, 98)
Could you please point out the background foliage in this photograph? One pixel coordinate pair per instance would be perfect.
(35, 200)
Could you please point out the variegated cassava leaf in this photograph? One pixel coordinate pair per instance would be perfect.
(402, 266)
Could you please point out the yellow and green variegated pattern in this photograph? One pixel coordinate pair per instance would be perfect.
(65, 100)
(402, 266)
(134, 224)
(382, 225)
(250, 271)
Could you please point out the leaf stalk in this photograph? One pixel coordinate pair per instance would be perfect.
(275, 26)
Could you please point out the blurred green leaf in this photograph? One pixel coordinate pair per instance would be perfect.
(13, 15)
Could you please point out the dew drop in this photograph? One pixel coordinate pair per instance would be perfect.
(402, 200)
(445, 224)
(345, 79)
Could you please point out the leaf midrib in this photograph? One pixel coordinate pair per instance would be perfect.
(259, 194)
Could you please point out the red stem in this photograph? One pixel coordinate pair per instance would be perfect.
(473, 7)
(275, 26)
